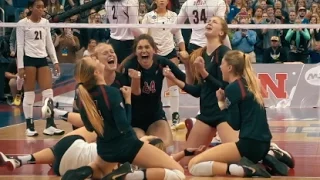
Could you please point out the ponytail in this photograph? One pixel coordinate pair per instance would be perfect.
(196, 53)
(252, 80)
(91, 110)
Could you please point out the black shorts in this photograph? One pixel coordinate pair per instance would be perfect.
(122, 149)
(213, 120)
(192, 47)
(143, 122)
(122, 48)
(34, 62)
(60, 149)
(252, 149)
(172, 54)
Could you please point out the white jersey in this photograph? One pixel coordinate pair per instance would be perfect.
(79, 154)
(122, 12)
(163, 37)
(34, 42)
(199, 12)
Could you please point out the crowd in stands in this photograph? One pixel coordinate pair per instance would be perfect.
(263, 45)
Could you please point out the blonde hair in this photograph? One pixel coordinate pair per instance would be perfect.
(199, 52)
(84, 75)
(241, 64)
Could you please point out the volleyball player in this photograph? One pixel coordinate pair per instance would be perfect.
(105, 53)
(144, 69)
(166, 48)
(76, 149)
(103, 111)
(122, 12)
(34, 44)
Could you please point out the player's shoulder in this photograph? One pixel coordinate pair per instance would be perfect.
(150, 14)
(223, 49)
(234, 86)
(22, 21)
(161, 60)
(132, 63)
(172, 14)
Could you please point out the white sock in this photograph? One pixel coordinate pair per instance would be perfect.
(236, 170)
(27, 105)
(58, 113)
(174, 98)
(136, 175)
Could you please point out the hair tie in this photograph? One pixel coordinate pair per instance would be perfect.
(244, 55)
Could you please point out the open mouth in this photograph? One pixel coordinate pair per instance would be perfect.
(145, 57)
(208, 28)
(111, 61)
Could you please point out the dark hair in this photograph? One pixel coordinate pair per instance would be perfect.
(135, 44)
(31, 4)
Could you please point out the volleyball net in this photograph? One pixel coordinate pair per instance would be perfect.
(287, 85)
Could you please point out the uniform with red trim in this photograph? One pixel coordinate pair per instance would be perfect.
(210, 112)
(147, 107)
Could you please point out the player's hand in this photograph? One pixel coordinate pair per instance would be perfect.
(126, 91)
(167, 73)
(21, 73)
(220, 94)
(184, 56)
(199, 64)
(134, 74)
(56, 69)
(12, 53)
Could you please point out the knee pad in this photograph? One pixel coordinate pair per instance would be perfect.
(173, 175)
(201, 169)
(48, 93)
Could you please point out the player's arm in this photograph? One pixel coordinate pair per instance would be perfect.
(20, 46)
(175, 70)
(233, 96)
(133, 12)
(50, 47)
(84, 117)
(117, 107)
(145, 21)
(209, 78)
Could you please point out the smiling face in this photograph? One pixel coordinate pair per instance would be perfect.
(145, 52)
(106, 55)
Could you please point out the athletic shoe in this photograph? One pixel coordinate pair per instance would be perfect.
(282, 155)
(120, 173)
(81, 173)
(31, 132)
(253, 170)
(50, 131)
(9, 162)
(275, 165)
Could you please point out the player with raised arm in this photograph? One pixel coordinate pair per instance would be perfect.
(34, 44)
(122, 12)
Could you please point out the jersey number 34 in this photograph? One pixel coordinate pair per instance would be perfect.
(199, 16)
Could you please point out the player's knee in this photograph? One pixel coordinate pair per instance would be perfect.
(174, 175)
(201, 169)
(48, 93)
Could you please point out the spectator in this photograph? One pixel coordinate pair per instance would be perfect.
(66, 46)
(290, 6)
(54, 7)
(235, 9)
(268, 33)
(11, 75)
(298, 40)
(91, 46)
(302, 12)
(275, 54)
(244, 40)
(315, 53)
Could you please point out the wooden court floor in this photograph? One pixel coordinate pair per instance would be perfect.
(300, 137)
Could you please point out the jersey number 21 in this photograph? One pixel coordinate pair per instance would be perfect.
(199, 16)
(38, 35)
